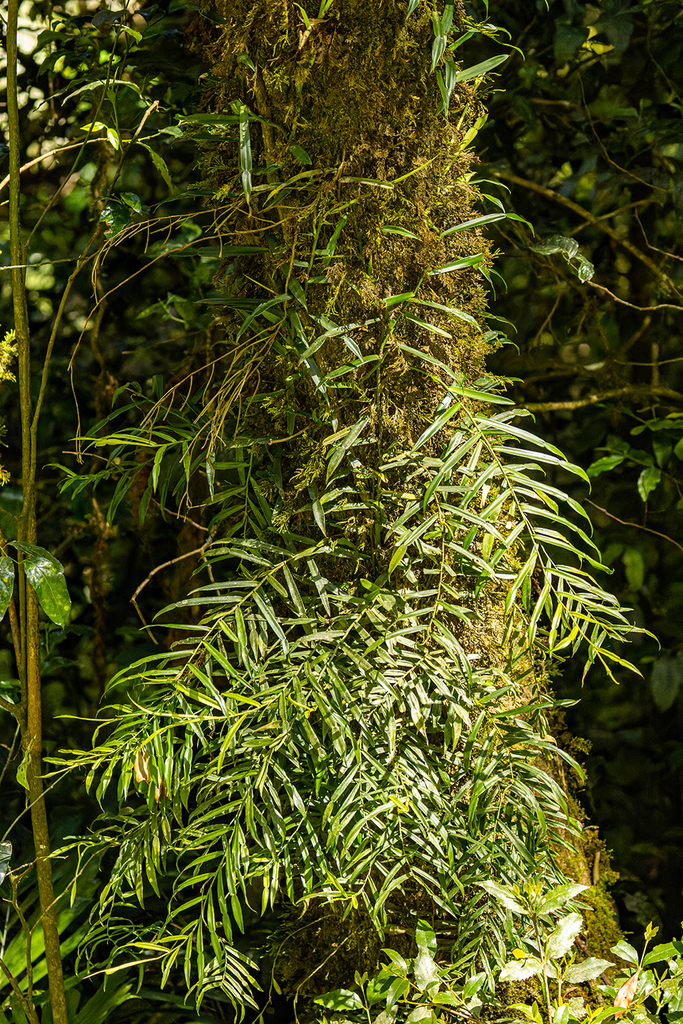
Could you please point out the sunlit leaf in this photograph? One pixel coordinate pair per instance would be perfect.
(46, 576)
(6, 583)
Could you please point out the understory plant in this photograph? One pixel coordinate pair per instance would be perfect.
(542, 937)
(545, 948)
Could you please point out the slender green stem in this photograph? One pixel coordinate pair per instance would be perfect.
(543, 953)
(30, 716)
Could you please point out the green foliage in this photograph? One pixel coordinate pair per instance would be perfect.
(424, 988)
(407, 989)
(45, 574)
(546, 951)
(585, 138)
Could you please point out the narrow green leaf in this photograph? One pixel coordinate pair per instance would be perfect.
(489, 218)
(481, 69)
(434, 427)
(300, 153)
(244, 147)
(393, 229)
(160, 165)
(461, 264)
(338, 452)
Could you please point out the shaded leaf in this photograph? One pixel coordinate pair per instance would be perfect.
(666, 680)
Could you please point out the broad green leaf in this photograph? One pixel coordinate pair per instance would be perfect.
(505, 896)
(666, 680)
(587, 970)
(300, 153)
(584, 269)
(419, 1013)
(425, 937)
(626, 951)
(425, 970)
(556, 244)
(340, 999)
(634, 566)
(160, 164)
(46, 575)
(6, 583)
(22, 769)
(397, 960)
(648, 480)
(561, 1014)
(562, 937)
(665, 951)
(116, 217)
(473, 984)
(5, 857)
(605, 464)
(519, 970)
(559, 896)
(397, 990)
(477, 70)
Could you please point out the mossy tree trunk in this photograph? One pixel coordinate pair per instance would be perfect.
(364, 671)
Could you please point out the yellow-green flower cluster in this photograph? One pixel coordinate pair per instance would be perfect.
(8, 351)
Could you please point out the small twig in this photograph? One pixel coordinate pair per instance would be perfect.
(178, 515)
(671, 255)
(641, 309)
(608, 158)
(28, 1007)
(662, 362)
(567, 104)
(632, 390)
(550, 315)
(636, 336)
(9, 758)
(164, 565)
(8, 706)
(637, 526)
(45, 156)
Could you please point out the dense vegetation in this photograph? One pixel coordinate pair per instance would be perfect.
(586, 134)
(286, 571)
